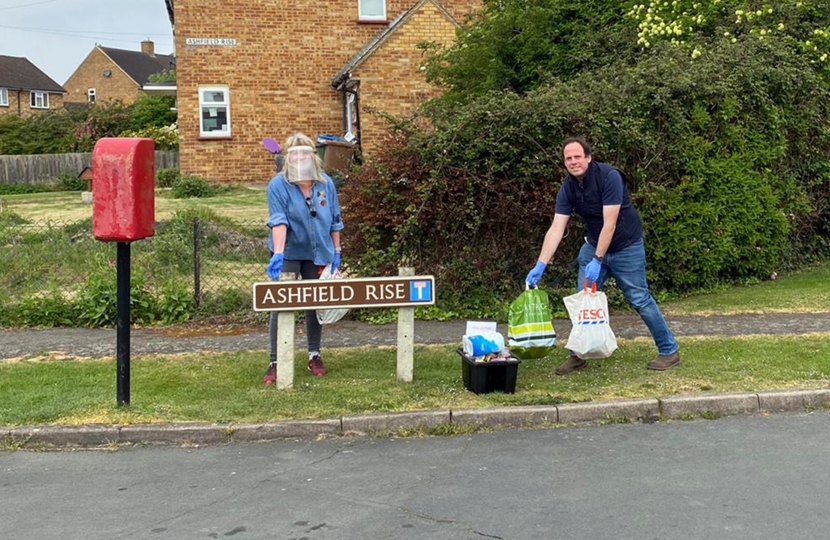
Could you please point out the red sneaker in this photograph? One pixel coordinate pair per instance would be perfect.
(316, 367)
(270, 375)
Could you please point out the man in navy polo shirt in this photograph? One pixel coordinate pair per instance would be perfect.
(613, 246)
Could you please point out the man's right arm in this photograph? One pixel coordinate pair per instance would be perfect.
(553, 237)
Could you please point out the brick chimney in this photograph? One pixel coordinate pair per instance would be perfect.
(147, 47)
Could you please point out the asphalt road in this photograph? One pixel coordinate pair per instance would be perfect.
(741, 477)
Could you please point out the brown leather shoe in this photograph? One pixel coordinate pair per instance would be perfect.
(665, 361)
(573, 363)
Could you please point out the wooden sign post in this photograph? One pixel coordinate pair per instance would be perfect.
(286, 296)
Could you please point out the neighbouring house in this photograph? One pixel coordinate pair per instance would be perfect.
(107, 75)
(256, 69)
(25, 89)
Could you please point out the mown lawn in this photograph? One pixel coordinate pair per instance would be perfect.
(238, 203)
(805, 291)
(227, 387)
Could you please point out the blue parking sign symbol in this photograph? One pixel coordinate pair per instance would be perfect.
(420, 291)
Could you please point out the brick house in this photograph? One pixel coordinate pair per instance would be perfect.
(248, 69)
(25, 89)
(109, 75)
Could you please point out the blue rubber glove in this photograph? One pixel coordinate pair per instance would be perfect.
(592, 270)
(275, 266)
(335, 266)
(535, 275)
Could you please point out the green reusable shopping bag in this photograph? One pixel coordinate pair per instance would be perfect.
(530, 330)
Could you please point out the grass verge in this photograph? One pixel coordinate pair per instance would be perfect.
(804, 291)
(227, 388)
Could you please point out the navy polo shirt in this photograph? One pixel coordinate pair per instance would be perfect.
(602, 185)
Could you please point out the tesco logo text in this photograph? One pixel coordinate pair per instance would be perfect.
(592, 314)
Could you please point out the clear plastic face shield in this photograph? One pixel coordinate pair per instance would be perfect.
(301, 165)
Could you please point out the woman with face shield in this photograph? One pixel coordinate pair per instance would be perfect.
(305, 224)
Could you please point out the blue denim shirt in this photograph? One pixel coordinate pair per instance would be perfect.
(308, 238)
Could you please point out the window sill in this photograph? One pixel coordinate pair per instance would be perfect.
(219, 138)
(372, 21)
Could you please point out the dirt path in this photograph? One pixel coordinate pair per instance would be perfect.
(101, 342)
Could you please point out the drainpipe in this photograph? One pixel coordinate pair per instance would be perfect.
(342, 85)
(19, 113)
(356, 113)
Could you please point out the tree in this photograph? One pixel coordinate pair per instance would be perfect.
(518, 45)
(152, 111)
(167, 75)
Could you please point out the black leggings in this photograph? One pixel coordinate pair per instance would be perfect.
(314, 330)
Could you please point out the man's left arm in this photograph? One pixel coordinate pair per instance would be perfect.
(612, 198)
(609, 224)
(610, 214)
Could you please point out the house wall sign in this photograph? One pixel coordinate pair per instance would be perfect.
(219, 42)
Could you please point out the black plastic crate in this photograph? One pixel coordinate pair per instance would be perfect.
(486, 377)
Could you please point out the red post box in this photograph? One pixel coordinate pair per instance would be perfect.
(123, 181)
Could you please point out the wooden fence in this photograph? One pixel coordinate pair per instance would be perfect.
(45, 168)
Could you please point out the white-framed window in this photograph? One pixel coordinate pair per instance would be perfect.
(39, 100)
(371, 10)
(4, 97)
(214, 111)
(91, 95)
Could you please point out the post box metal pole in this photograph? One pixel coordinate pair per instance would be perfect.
(123, 211)
(123, 324)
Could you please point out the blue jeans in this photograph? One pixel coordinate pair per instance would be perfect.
(628, 267)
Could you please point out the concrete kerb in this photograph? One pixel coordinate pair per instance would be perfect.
(522, 416)
(65, 436)
(284, 430)
(790, 400)
(182, 434)
(646, 410)
(392, 423)
(692, 405)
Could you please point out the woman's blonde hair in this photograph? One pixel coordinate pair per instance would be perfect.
(301, 139)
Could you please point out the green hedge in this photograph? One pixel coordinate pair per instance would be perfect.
(726, 153)
(78, 129)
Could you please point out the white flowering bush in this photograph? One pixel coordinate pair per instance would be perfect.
(807, 24)
(166, 137)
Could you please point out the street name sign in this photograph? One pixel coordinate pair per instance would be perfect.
(403, 291)
(221, 42)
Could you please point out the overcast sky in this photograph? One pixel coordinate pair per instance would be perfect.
(56, 35)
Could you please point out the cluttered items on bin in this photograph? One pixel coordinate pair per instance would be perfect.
(485, 348)
(482, 343)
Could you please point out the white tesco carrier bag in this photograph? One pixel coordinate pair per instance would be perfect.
(329, 316)
(591, 335)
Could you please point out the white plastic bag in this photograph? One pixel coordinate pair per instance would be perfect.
(329, 316)
(591, 334)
